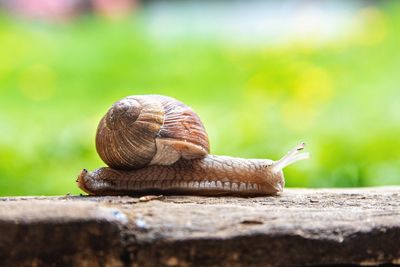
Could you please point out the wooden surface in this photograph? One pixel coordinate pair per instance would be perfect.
(300, 227)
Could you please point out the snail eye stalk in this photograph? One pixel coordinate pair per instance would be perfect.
(291, 157)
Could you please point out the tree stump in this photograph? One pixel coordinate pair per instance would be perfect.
(300, 227)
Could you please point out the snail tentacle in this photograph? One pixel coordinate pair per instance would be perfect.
(291, 157)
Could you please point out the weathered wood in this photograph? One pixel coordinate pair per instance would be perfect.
(300, 227)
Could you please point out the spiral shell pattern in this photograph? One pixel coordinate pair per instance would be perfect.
(127, 135)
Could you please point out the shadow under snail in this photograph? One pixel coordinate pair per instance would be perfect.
(156, 144)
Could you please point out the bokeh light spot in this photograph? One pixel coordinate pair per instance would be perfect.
(371, 28)
(314, 86)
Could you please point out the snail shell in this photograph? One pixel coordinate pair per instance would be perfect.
(150, 130)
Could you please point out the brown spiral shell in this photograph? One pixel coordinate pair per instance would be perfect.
(150, 129)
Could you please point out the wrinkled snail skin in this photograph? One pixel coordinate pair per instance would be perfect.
(155, 143)
(213, 175)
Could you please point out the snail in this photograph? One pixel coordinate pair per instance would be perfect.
(157, 144)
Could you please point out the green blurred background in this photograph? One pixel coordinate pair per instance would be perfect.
(262, 77)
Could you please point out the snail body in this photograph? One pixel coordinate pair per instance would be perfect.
(156, 144)
(212, 175)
